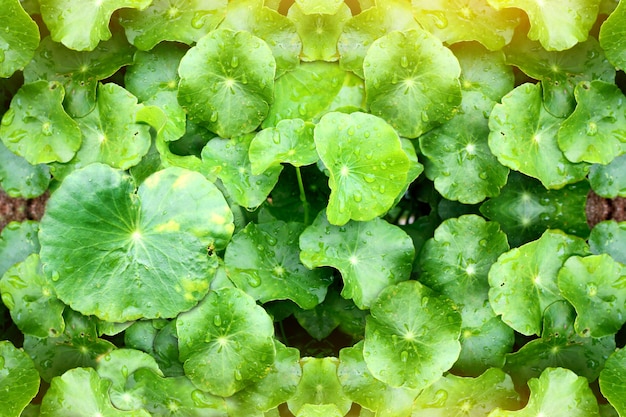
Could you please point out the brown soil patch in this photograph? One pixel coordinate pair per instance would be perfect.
(600, 209)
(20, 209)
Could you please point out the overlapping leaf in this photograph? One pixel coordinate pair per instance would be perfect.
(18, 43)
(609, 181)
(18, 178)
(609, 237)
(612, 36)
(19, 380)
(612, 381)
(17, 241)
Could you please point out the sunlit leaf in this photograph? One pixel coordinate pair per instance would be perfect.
(19, 380)
(19, 41)
(613, 382)
(612, 36)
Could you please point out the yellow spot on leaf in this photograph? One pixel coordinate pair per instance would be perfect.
(182, 181)
(171, 226)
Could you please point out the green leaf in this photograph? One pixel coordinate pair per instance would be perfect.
(27, 292)
(612, 381)
(364, 28)
(319, 6)
(612, 37)
(36, 126)
(411, 337)
(17, 241)
(523, 138)
(559, 346)
(558, 26)
(367, 164)
(79, 72)
(19, 42)
(184, 21)
(525, 209)
(239, 69)
(459, 160)
(291, 141)
(319, 32)
(557, 392)
(475, 20)
(457, 396)
(226, 342)
(334, 89)
(277, 30)
(271, 268)
(366, 266)
(128, 242)
(228, 159)
(319, 385)
(483, 345)
(82, 28)
(78, 345)
(524, 280)
(319, 410)
(609, 237)
(361, 387)
(20, 179)
(609, 181)
(19, 380)
(596, 131)
(596, 287)
(61, 399)
(560, 71)
(412, 81)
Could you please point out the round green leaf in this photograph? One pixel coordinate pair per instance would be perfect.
(17, 241)
(459, 159)
(319, 6)
(19, 41)
(19, 380)
(412, 81)
(274, 28)
(183, 21)
(609, 181)
(612, 36)
(557, 25)
(20, 179)
(475, 20)
(36, 126)
(483, 345)
(319, 410)
(226, 342)
(366, 266)
(411, 337)
(228, 159)
(82, 28)
(596, 287)
(367, 164)
(291, 141)
(609, 237)
(524, 280)
(227, 82)
(361, 387)
(557, 392)
(264, 261)
(118, 262)
(61, 399)
(613, 380)
(594, 132)
(319, 385)
(523, 138)
(27, 292)
(79, 72)
(457, 396)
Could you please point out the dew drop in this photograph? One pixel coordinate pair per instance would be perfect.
(46, 129)
(276, 137)
(254, 281)
(2, 56)
(217, 320)
(404, 356)
(8, 117)
(358, 197)
(302, 109)
(213, 117)
(8, 300)
(425, 117)
(381, 189)
(238, 376)
(234, 61)
(197, 21)
(483, 175)
(124, 371)
(592, 129)
(404, 62)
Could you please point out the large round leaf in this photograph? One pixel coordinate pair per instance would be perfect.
(226, 342)
(412, 81)
(612, 36)
(355, 249)
(19, 41)
(523, 138)
(36, 126)
(183, 21)
(367, 164)
(613, 380)
(595, 285)
(524, 280)
(227, 82)
(122, 256)
(19, 380)
(411, 337)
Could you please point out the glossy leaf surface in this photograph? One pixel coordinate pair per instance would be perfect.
(19, 380)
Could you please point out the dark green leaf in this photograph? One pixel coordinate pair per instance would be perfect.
(613, 382)
(20, 179)
(609, 237)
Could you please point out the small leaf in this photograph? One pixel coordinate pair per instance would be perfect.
(613, 382)
(226, 342)
(411, 337)
(36, 126)
(612, 37)
(609, 237)
(412, 81)
(239, 69)
(355, 249)
(17, 241)
(20, 179)
(609, 181)
(596, 287)
(19, 382)
(20, 39)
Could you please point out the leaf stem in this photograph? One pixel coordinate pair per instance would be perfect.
(305, 203)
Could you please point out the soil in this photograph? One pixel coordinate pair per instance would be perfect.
(599, 209)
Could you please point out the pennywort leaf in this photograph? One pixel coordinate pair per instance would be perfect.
(609, 237)
(612, 381)
(19, 380)
(18, 44)
(612, 36)
(18, 178)
(17, 241)
(609, 181)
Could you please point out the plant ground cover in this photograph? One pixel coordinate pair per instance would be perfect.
(312, 208)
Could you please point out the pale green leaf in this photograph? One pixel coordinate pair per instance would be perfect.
(19, 380)
(20, 39)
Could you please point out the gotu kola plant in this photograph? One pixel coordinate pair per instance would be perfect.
(263, 208)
